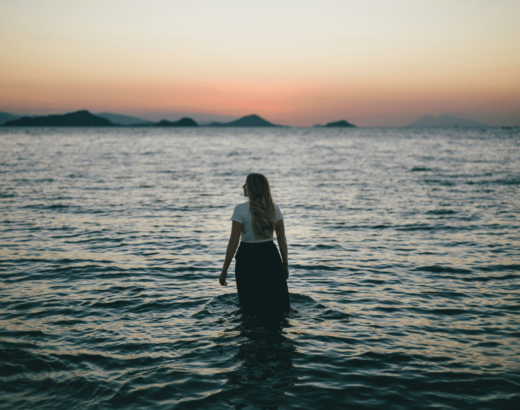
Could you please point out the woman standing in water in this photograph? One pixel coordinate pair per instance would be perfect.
(260, 274)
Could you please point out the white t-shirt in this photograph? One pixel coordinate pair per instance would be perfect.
(241, 214)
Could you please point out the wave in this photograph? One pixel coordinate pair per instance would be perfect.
(442, 269)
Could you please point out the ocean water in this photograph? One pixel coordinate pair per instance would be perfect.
(404, 269)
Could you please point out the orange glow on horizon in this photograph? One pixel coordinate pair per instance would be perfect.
(385, 65)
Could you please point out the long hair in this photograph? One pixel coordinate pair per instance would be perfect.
(261, 205)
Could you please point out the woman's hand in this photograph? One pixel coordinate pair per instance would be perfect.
(222, 278)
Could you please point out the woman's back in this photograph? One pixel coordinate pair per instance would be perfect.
(261, 274)
(243, 215)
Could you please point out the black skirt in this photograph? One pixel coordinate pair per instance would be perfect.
(260, 278)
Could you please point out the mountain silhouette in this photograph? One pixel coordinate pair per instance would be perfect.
(341, 123)
(74, 119)
(5, 116)
(247, 121)
(444, 120)
(183, 122)
(120, 119)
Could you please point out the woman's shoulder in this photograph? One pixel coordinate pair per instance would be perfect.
(240, 211)
(243, 206)
(279, 214)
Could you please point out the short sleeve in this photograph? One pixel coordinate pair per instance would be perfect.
(237, 215)
(278, 213)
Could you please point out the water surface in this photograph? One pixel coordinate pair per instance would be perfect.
(404, 258)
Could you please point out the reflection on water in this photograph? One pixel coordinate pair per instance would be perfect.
(263, 363)
(254, 352)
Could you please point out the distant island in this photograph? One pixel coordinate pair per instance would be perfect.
(340, 123)
(74, 119)
(183, 122)
(443, 121)
(247, 121)
(120, 119)
(84, 118)
(4, 117)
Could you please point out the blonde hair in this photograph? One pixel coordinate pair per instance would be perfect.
(261, 205)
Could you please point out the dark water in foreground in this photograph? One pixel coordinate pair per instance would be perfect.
(404, 256)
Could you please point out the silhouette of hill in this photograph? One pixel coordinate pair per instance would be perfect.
(183, 122)
(5, 116)
(444, 120)
(120, 119)
(198, 117)
(74, 119)
(341, 123)
(247, 121)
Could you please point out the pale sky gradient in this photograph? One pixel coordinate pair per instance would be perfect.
(372, 62)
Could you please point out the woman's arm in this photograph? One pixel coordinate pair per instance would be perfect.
(236, 230)
(282, 243)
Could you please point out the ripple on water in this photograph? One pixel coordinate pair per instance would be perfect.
(404, 263)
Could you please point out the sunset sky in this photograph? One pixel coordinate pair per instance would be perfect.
(371, 62)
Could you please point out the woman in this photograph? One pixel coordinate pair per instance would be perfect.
(260, 274)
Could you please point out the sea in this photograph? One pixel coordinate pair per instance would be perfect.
(404, 256)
